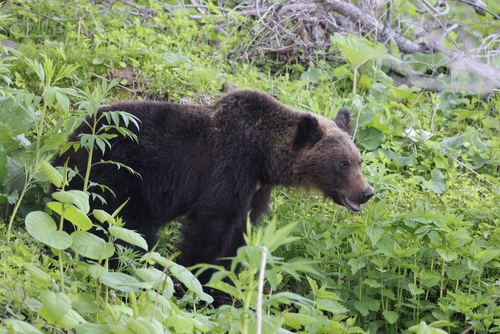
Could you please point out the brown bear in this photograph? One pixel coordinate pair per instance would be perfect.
(215, 165)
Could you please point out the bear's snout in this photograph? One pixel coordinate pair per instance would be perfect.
(368, 193)
(355, 200)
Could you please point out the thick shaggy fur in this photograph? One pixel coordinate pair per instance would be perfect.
(214, 165)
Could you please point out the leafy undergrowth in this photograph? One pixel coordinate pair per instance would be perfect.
(423, 255)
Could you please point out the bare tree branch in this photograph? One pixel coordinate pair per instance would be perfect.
(370, 24)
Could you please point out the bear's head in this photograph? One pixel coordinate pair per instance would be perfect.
(328, 160)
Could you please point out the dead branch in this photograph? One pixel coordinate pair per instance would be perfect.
(198, 8)
(142, 10)
(368, 23)
(480, 8)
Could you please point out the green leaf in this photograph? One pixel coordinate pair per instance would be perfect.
(330, 305)
(180, 324)
(63, 101)
(143, 326)
(72, 214)
(447, 254)
(415, 290)
(52, 174)
(297, 320)
(96, 271)
(374, 233)
(92, 328)
(58, 304)
(42, 227)
(225, 287)
(356, 264)
(300, 265)
(76, 197)
(390, 316)
(273, 238)
(386, 243)
(479, 144)
(372, 283)
(464, 113)
(67, 321)
(316, 314)
(485, 256)
(20, 327)
(189, 280)
(372, 304)
(370, 138)
(102, 216)
(360, 50)
(129, 236)
(18, 120)
(85, 303)
(270, 324)
(38, 274)
(458, 272)
(91, 246)
(361, 308)
(119, 329)
(365, 117)
(120, 281)
(251, 254)
(313, 74)
(423, 328)
(437, 184)
(49, 97)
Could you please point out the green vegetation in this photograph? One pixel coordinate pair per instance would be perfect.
(422, 257)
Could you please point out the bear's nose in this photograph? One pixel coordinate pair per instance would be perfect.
(368, 193)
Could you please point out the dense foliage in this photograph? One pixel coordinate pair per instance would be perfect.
(423, 256)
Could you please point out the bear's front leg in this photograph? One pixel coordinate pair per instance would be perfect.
(209, 235)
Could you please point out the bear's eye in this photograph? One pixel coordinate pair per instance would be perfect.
(344, 164)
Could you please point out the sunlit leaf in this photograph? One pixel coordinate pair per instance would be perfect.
(297, 320)
(92, 328)
(71, 214)
(120, 281)
(180, 324)
(143, 326)
(38, 274)
(330, 305)
(447, 255)
(20, 327)
(270, 324)
(52, 174)
(129, 236)
(91, 246)
(360, 50)
(58, 304)
(77, 197)
(42, 227)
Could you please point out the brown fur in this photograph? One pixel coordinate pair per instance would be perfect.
(214, 165)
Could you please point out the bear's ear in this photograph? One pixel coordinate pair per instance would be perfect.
(308, 132)
(343, 119)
